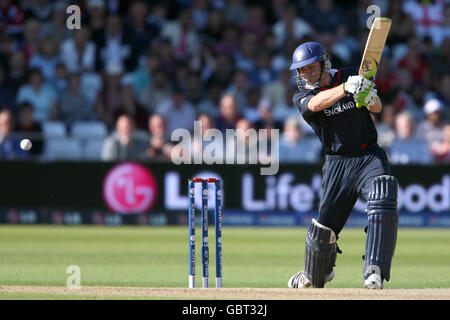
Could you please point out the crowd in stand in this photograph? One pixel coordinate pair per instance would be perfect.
(141, 69)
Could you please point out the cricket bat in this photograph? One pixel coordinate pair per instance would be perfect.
(374, 48)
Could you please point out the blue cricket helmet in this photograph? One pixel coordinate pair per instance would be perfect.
(309, 52)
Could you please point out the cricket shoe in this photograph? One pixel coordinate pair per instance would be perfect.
(374, 281)
(299, 280)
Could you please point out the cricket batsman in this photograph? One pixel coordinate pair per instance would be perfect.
(354, 165)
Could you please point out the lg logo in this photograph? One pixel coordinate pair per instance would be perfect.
(129, 188)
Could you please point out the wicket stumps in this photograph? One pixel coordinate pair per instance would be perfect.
(205, 226)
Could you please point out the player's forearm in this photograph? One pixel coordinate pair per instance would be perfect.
(326, 98)
(376, 107)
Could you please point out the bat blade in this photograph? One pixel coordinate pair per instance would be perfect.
(374, 47)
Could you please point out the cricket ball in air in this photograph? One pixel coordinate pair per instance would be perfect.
(25, 144)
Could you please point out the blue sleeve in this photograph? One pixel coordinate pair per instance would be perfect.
(301, 100)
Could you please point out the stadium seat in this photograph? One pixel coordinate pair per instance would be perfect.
(63, 149)
(89, 130)
(54, 129)
(93, 149)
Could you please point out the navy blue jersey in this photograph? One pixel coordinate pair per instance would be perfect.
(342, 128)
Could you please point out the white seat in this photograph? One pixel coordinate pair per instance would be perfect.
(63, 149)
(93, 149)
(89, 130)
(54, 129)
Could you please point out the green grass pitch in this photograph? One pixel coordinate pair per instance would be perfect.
(158, 256)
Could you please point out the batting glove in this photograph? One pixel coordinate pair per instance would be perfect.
(366, 98)
(357, 84)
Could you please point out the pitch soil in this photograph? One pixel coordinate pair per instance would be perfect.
(239, 293)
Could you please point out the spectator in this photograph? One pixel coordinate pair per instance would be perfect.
(441, 151)
(215, 27)
(229, 113)
(60, 81)
(443, 91)
(201, 13)
(29, 128)
(403, 22)
(177, 111)
(415, 62)
(194, 88)
(9, 140)
(96, 19)
(245, 136)
(160, 147)
(46, 58)
(325, 16)
(78, 52)
(431, 129)
(262, 74)
(17, 75)
(182, 35)
(7, 96)
(114, 47)
(30, 43)
(210, 102)
(158, 15)
(40, 10)
(123, 143)
(12, 18)
(406, 147)
(108, 99)
(223, 71)
(402, 98)
(156, 91)
(255, 22)
(329, 43)
(166, 54)
(143, 75)
(282, 112)
(140, 31)
(239, 87)
(56, 27)
(7, 47)
(236, 12)
(41, 96)
(130, 106)
(290, 26)
(229, 42)
(250, 109)
(385, 79)
(267, 121)
(199, 143)
(276, 10)
(246, 56)
(276, 90)
(294, 147)
(73, 105)
(386, 127)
